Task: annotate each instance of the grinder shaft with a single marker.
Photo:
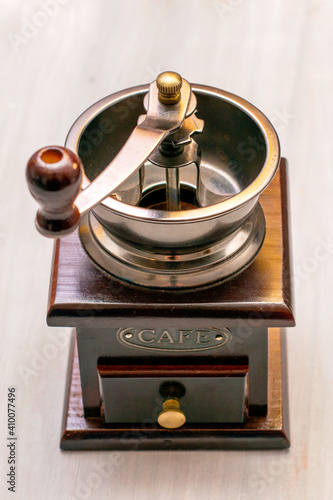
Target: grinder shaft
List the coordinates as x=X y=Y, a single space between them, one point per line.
x=172 y=189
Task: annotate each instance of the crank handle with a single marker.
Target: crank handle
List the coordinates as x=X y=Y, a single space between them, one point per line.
x=54 y=173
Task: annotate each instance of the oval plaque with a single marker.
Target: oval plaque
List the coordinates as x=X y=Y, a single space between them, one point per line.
x=172 y=339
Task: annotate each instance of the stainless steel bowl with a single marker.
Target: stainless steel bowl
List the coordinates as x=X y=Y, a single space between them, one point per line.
x=240 y=156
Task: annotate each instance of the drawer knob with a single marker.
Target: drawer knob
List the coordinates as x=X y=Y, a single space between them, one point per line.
x=171 y=417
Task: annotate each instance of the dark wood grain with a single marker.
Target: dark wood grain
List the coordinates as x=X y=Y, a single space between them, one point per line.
x=192 y=370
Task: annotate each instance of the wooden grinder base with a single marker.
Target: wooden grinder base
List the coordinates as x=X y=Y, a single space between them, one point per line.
x=83 y=295
x=270 y=431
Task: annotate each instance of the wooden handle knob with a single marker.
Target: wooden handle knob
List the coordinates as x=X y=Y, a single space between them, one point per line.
x=54 y=177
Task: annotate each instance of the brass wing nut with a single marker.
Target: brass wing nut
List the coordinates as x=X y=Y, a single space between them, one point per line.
x=169 y=84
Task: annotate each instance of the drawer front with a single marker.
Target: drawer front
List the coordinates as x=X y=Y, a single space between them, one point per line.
x=213 y=393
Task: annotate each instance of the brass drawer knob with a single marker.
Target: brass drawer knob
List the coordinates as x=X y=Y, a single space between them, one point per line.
x=171 y=417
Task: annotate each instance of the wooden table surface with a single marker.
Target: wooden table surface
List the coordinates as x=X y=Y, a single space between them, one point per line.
x=57 y=58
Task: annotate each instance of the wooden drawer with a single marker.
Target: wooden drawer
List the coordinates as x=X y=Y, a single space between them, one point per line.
x=213 y=393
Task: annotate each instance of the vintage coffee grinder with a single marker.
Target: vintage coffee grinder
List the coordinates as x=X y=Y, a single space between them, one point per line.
x=175 y=277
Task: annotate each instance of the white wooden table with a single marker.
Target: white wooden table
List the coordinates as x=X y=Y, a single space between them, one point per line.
x=57 y=58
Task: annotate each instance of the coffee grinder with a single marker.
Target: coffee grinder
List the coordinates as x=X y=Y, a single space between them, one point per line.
x=169 y=208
